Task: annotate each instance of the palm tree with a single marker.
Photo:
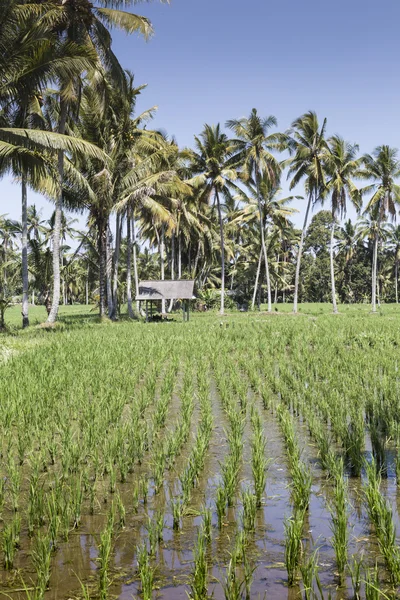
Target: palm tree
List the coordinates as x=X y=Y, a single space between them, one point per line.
x=306 y=140
x=394 y=246
x=212 y=164
x=341 y=165
x=373 y=227
x=383 y=169
x=347 y=244
x=274 y=212
x=254 y=145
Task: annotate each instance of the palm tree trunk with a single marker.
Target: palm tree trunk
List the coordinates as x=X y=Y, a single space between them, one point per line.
x=25 y=275
x=118 y=227
x=172 y=267
x=374 y=273
x=298 y=263
x=221 y=234
x=135 y=267
x=334 y=304
x=62 y=278
x=102 y=243
x=128 y=263
x=263 y=245
x=87 y=287
x=179 y=256
x=257 y=278
x=57 y=222
x=109 y=270
x=396 y=276
x=33 y=297
x=162 y=258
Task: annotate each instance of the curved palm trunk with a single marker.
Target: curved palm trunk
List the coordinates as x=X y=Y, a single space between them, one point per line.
x=221 y=233
x=25 y=276
x=257 y=278
x=297 y=277
x=128 y=264
x=374 y=274
x=334 y=304
x=57 y=224
x=396 y=277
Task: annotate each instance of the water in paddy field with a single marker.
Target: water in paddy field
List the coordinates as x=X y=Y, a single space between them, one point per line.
x=136 y=501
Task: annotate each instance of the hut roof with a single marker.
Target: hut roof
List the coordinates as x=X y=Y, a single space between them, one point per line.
x=166 y=290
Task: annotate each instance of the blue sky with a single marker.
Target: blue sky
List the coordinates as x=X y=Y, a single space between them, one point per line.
x=217 y=59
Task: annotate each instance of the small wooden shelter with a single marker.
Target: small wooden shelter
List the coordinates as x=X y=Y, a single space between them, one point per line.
x=172 y=289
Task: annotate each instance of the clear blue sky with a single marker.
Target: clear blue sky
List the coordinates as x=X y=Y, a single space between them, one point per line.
x=212 y=60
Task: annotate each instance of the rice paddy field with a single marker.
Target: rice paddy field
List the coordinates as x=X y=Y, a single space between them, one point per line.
x=249 y=456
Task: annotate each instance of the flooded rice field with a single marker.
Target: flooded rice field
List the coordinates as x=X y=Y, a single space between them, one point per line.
x=237 y=459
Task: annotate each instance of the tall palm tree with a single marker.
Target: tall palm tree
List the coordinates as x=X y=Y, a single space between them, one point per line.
x=383 y=169
x=306 y=140
x=373 y=228
x=347 y=244
x=394 y=246
x=254 y=144
x=341 y=165
x=212 y=164
x=274 y=212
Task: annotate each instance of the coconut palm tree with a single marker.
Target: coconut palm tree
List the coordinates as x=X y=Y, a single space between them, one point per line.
x=211 y=162
x=275 y=212
x=374 y=228
x=254 y=144
x=341 y=165
x=306 y=141
x=383 y=169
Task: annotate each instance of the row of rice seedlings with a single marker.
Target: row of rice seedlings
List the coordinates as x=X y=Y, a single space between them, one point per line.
x=199 y=576
x=230 y=468
x=238 y=578
x=146 y=572
x=104 y=556
x=194 y=465
x=380 y=515
x=299 y=471
x=259 y=461
x=339 y=524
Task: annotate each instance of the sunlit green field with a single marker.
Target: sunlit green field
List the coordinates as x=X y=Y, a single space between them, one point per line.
x=241 y=456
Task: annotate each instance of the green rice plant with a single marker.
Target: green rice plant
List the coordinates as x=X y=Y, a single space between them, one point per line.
x=41 y=558
x=113 y=479
x=249 y=511
x=380 y=514
x=220 y=505
x=355 y=567
x=248 y=576
x=54 y=520
x=207 y=523
x=199 y=575
x=146 y=572
x=293 y=537
x=259 y=462
x=230 y=474
x=301 y=485
x=14 y=475
x=144 y=486
x=135 y=497
x=8 y=546
x=153 y=535
x=121 y=512
x=76 y=500
x=339 y=525
x=177 y=512
x=309 y=574
x=373 y=589
x=104 y=556
x=231 y=585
